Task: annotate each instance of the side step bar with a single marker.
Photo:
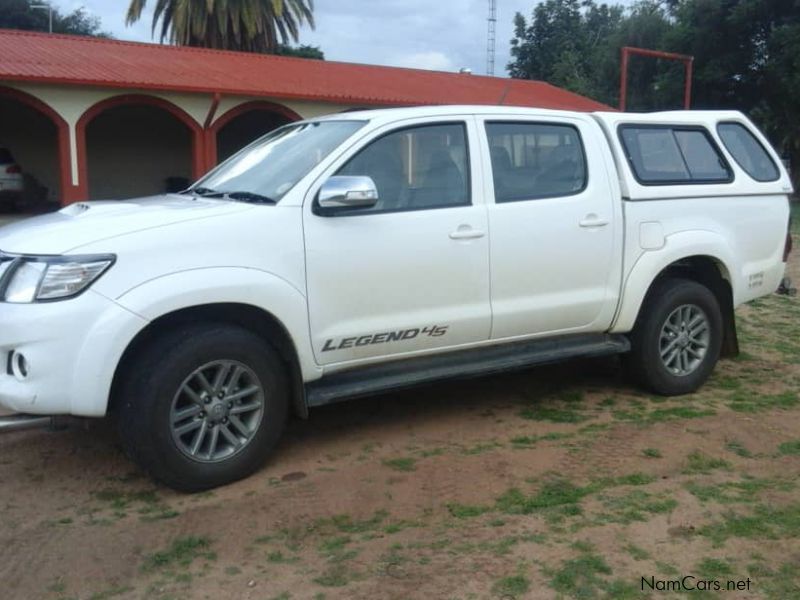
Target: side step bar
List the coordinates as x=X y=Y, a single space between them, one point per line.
x=476 y=362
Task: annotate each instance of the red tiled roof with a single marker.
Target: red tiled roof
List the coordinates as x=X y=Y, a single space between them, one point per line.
x=71 y=60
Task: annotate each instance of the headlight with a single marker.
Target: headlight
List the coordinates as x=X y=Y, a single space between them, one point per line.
x=25 y=279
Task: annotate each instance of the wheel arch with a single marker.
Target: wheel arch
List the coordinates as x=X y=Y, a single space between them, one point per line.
x=252 y=318
x=706 y=269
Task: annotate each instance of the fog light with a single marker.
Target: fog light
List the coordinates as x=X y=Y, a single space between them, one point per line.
x=19 y=366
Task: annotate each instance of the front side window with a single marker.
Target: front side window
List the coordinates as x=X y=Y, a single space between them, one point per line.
x=273 y=164
x=663 y=155
x=416 y=168
x=535 y=160
x=748 y=152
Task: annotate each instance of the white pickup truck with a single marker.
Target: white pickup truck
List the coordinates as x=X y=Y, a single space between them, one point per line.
x=370 y=251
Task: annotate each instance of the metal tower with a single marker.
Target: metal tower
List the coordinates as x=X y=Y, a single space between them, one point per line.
x=492 y=37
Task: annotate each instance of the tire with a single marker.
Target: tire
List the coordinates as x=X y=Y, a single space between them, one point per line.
x=659 y=329
x=165 y=406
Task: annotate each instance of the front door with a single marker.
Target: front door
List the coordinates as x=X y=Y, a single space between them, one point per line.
x=410 y=274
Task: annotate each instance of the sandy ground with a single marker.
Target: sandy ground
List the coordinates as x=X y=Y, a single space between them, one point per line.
x=553 y=482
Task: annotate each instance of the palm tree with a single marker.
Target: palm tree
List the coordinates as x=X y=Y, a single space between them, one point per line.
x=246 y=25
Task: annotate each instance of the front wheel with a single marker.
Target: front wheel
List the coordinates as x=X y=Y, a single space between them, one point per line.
x=677 y=339
x=203 y=406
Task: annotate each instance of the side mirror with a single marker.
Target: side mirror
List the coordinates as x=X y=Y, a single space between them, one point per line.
x=343 y=191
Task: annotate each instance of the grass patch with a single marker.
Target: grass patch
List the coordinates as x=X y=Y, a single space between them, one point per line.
x=749 y=402
x=405 y=463
x=511 y=587
x=528 y=441
x=636 y=552
x=581 y=577
x=465 y=511
x=698 y=462
x=634 y=506
x=337 y=575
x=552 y=494
x=111 y=592
x=278 y=557
x=346 y=524
x=180 y=553
x=738 y=449
x=679 y=412
x=552 y=414
x=481 y=448
x=791 y=448
x=714 y=568
x=735 y=492
x=766 y=522
x=652 y=453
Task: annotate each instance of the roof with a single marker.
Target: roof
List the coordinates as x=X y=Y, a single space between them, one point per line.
x=82 y=61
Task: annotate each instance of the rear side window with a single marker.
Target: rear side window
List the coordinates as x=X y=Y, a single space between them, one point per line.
x=535 y=160
x=663 y=155
x=5 y=156
x=748 y=152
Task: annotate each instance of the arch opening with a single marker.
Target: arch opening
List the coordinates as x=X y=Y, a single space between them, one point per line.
x=245 y=124
x=34 y=165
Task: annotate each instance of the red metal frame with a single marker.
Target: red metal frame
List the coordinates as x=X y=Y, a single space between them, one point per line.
x=627 y=51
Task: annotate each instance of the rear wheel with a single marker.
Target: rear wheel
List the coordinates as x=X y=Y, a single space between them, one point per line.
x=677 y=339
x=203 y=406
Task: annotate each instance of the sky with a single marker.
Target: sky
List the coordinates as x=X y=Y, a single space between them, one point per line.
x=427 y=34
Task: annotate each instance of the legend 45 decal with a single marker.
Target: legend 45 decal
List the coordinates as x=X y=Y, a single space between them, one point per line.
x=384 y=337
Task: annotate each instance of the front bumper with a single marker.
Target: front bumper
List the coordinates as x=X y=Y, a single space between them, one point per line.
x=71 y=350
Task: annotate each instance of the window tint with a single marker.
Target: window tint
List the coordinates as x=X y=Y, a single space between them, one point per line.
x=534 y=160
x=748 y=152
x=667 y=155
x=416 y=168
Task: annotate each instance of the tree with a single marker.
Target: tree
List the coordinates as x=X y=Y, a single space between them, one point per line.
x=746 y=56
x=18 y=14
x=303 y=51
x=245 y=25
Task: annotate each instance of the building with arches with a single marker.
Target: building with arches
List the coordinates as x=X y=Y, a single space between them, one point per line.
x=97 y=119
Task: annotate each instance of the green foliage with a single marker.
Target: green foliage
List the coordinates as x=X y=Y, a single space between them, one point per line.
x=746 y=56
x=181 y=553
x=243 y=25
x=401 y=464
x=302 y=51
x=511 y=587
x=18 y=14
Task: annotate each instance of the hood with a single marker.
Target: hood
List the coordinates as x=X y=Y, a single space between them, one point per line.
x=87 y=222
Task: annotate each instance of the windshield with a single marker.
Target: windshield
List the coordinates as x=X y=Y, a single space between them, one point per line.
x=272 y=165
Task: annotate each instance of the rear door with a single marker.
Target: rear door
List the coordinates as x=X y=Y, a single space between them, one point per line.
x=555 y=224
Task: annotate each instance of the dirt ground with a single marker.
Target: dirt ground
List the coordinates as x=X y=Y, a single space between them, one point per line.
x=553 y=482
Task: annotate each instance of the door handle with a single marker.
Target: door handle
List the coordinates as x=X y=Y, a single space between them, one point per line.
x=592 y=220
x=465 y=232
